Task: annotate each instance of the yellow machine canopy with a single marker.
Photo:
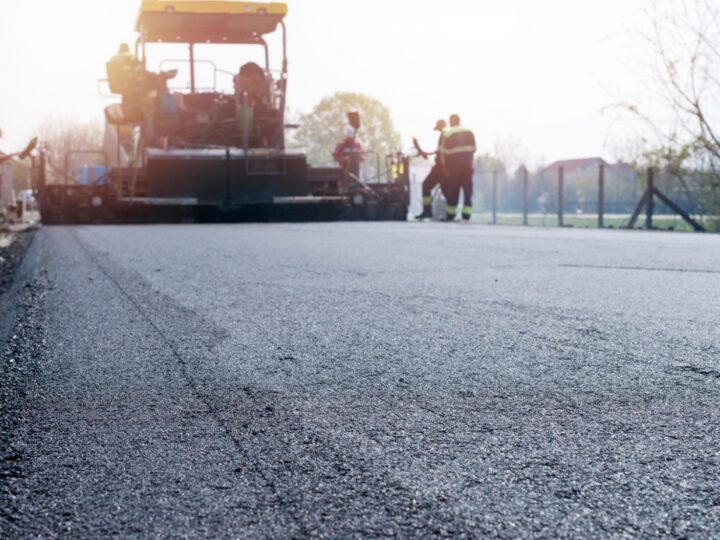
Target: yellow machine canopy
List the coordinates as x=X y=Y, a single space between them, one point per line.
x=208 y=21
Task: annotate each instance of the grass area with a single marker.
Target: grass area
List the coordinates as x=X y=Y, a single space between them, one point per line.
x=585 y=221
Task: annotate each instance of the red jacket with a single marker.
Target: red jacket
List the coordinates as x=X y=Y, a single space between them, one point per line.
x=347 y=149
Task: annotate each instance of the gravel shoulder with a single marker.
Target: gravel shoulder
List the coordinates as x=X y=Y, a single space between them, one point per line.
x=20 y=335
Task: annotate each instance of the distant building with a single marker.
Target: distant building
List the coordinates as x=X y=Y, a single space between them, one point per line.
x=574 y=167
x=622 y=185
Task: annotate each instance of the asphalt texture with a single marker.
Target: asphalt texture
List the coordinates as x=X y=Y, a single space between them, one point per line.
x=363 y=380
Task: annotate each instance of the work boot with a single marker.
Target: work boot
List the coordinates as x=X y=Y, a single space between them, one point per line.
x=467 y=214
x=449 y=218
x=426 y=214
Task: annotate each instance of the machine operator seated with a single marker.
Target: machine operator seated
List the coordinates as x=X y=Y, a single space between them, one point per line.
x=252 y=80
x=138 y=86
x=253 y=92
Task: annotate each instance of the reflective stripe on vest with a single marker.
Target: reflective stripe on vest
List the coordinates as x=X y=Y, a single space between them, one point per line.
x=469 y=149
x=449 y=132
x=458 y=140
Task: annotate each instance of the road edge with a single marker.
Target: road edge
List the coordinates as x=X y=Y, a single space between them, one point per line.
x=21 y=338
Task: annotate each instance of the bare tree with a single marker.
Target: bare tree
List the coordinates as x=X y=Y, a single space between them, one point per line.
x=60 y=137
x=684 y=38
x=512 y=152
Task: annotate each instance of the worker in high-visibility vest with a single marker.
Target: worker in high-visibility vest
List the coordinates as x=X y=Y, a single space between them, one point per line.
x=125 y=72
x=437 y=174
x=142 y=90
x=127 y=77
x=458 y=156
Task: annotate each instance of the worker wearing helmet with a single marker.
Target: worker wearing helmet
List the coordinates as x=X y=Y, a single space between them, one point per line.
x=437 y=173
x=124 y=72
x=350 y=154
x=142 y=91
x=458 y=155
x=126 y=76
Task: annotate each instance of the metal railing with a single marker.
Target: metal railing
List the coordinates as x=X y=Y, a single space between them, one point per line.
x=562 y=201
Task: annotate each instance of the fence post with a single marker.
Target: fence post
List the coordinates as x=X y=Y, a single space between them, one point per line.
x=494 y=197
x=601 y=197
x=526 y=195
x=561 y=197
x=650 y=201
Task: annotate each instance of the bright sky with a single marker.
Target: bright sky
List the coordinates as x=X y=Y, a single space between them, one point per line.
x=540 y=72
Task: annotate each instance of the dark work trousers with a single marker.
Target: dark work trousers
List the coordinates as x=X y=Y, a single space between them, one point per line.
x=433 y=180
x=461 y=179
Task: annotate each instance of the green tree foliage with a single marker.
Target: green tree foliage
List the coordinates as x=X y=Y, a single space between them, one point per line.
x=688 y=179
x=322 y=129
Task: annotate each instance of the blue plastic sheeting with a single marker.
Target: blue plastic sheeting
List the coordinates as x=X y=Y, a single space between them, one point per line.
x=92 y=175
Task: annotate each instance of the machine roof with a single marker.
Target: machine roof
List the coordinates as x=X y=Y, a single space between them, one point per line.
x=208 y=21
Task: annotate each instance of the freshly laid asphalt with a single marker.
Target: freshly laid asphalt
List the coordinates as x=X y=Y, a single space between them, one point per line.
x=363 y=380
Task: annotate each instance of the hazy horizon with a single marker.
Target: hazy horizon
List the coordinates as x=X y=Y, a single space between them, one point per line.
x=541 y=76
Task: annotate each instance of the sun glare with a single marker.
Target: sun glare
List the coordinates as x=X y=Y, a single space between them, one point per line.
x=508 y=67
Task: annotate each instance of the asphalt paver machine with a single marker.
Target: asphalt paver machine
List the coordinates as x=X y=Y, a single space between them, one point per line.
x=209 y=154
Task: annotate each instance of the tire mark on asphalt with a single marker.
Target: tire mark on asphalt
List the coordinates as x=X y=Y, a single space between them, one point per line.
x=199 y=395
x=640 y=268
x=705 y=372
x=336 y=460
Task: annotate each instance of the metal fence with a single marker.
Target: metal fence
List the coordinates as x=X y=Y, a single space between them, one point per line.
x=596 y=198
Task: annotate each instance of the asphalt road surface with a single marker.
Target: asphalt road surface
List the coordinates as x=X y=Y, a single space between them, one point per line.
x=340 y=380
